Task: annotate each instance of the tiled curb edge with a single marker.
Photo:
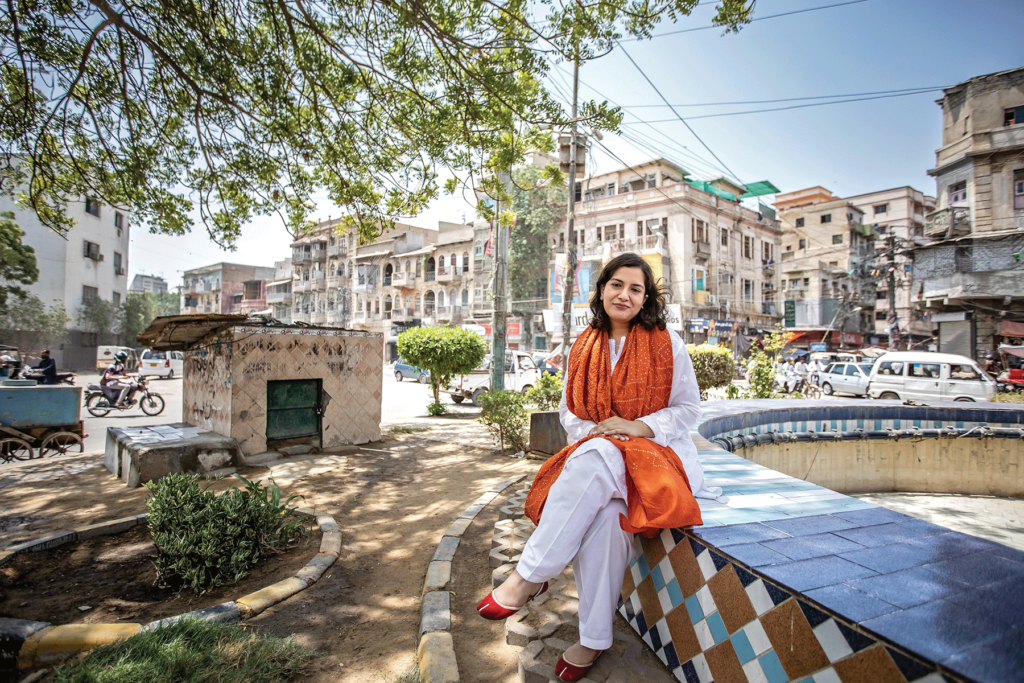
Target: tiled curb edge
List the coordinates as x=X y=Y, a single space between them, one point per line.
x=26 y=644
x=435 y=656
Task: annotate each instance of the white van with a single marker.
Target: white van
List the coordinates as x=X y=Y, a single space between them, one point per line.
x=105 y=356
x=520 y=375
x=922 y=376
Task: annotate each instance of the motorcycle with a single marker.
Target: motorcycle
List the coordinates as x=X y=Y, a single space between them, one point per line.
x=99 y=403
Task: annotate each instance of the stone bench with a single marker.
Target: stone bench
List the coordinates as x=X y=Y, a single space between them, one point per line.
x=141 y=454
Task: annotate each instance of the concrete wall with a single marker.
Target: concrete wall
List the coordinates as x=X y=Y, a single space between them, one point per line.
x=206 y=392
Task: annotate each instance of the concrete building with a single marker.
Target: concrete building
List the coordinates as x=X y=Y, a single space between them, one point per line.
x=898 y=215
x=90 y=262
x=827 y=265
x=279 y=291
x=148 y=283
x=716 y=256
x=967 y=279
x=225 y=288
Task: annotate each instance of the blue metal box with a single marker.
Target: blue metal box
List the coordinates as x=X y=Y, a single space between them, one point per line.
x=40 y=406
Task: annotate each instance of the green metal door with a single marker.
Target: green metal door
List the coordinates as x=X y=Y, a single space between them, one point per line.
x=293 y=408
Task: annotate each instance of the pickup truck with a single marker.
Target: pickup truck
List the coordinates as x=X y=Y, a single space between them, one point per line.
x=520 y=375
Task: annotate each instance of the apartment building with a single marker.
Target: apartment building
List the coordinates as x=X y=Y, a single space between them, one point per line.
x=827 y=264
x=148 y=283
x=898 y=216
x=279 y=291
x=225 y=288
x=968 y=277
x=715 y=256
x=90 y=262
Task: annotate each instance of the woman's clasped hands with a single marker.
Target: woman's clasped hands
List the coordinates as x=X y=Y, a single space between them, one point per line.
x=621 y=429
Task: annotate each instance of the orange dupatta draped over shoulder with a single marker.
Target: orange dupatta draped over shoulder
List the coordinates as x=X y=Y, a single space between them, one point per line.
x=659 y=495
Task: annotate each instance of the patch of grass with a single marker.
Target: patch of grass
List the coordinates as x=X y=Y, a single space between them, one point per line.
x=1015 y=397
x=192 y=651
x=408 y=429
x=411 y=676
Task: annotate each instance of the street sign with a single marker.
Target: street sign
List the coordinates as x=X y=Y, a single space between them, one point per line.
x=790 y=313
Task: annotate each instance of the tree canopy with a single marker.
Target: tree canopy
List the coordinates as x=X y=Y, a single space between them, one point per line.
x=17 y=261
x=445 y=351
x=242 y=108
x=32 y=326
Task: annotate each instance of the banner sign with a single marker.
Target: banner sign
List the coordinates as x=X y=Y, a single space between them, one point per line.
x=716 y=328
x=790 y=315
x=819 y=346
x=553 y=320
x=674 y=317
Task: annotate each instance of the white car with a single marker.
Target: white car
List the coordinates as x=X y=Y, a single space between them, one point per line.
x=167 y=364
x=924 y=376
x=520 y=375
x=845 y=378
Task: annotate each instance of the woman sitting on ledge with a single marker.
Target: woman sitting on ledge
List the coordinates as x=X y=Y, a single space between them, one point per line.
x=630 y=401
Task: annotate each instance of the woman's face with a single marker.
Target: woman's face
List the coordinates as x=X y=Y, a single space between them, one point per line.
x=624 y=294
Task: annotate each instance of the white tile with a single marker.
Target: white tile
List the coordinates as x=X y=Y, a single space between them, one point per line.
x=667 y=572
x=662 y=657
x=635 y=571
x=829 y=675
x=758 y=638
x=759 y=597
x=704 y=637
x=666 y=635
x=647 y=639
x=667 y=540
x=665 y=600
x=832 y=641
x=707 y=603
x=753 y=671
x=701 y=665
x=707 y=565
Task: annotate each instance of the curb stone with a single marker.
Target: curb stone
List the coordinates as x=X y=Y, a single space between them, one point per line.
x=435 y=655
x=26 y=644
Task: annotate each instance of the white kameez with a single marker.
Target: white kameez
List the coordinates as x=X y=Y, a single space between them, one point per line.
x=581 y=515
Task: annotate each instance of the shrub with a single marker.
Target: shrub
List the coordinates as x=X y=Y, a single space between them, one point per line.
x=713 y=365
x=504 y=413
x=546 y=394
x=445 y=351
x=1014 y=397
x=192 y=651
x=437 y=408
x=205 y=540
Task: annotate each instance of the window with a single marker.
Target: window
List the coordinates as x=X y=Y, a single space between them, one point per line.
x=799 y=222
x=119 y=222
x=826 y=218
x=958 y=194
x=92 y=250
x=748 y=291
x=1018 y=188
x=837 y=239
x=92 y=207
x=251 y=290
x=652 y=180
x=610 y=189
x=725 y=237
x=852 y=370
x=117 y=298
x=926 y=370
x=891 y=368
x=89 y=293
x=964 y=371
x=880 y=315
x=465 y=262
x=881 y=229
x=698 y=230
x=465 y=297
x=748 y=247
x=1013 y=116
x=117 y=264
x=881 y=208
x=803 y=244
x=881 y=294
x=479 y=250
x=807 y=283
x=767 y=252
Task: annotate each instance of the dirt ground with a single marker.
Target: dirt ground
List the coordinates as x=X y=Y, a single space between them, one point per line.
x=115 y=577
x=393 y=501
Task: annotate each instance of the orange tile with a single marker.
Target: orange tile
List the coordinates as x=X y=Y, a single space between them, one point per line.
x=733 y=602
x=628 y=586
x=793 y=640
x=724 y=664
x=873 y=664
x=654 y=549
x=686 y=569
x=649 y=601
x=684 y=637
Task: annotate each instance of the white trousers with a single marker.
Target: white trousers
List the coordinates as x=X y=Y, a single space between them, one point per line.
x=581 y=521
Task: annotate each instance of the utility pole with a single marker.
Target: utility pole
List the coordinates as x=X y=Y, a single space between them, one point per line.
x=499 y=316
x=892 y=320
x=570 y=228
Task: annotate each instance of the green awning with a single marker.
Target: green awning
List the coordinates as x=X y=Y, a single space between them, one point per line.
x=711 y=189
x=762 y=187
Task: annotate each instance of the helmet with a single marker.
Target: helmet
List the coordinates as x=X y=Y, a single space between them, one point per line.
x=121 y=356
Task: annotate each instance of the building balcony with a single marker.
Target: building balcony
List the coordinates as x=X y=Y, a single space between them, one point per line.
x=429 y=276
x=449 y=273
x=317 y=284
x=333 y=281
x=950 y=221
x=429 y=311
x=483 y=308
x=401 y=315
x=768 y=267
x=443 y=312
x=318 y=318
x=364 y=287
x=1010 y=138
x=360 y=317
x=400 y=280
x=650 y=244
x=337 y=250
x=279 y=297
x=300 y=317
x=702 y=249
x=702 y=297
x=768 y=308
x=302 y=285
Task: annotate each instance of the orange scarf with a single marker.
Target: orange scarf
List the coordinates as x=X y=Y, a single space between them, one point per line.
x=659 y=495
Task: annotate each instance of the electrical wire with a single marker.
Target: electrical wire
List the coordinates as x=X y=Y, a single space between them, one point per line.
x=792 y=99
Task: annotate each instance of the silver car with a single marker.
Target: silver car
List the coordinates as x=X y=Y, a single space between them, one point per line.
x=845 y=378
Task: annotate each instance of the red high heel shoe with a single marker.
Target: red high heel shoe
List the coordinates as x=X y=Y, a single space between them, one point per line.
x=567 y=671
x=489 y=608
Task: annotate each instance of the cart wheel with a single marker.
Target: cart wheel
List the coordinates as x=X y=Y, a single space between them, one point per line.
x=61 y=443
x=15 y=449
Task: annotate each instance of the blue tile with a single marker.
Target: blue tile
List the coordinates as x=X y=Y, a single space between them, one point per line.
x=655 y=636
x=875 y=515
x=675 y=595
x=937 y=630
x=815 y=524
x=806 y=547
x=659 y=582
x=696 y=547
x=955 y=544
x=815 y=617
x=1007 y=552
x=855 y=639
x=777 y=595
x=741 y=644
x=671 y=658
x=978 y=569
x=892 y=558
x=850 y=603
x=772 y=667
x=630 y=613
x=998 y=660
x=909 y=587
x=693 y=607
x=738 y=533
x=820 y=571
x=887 y=534
x=746 y=578
x=641 y=623
x=717 y=626
x=755 y=555
x=910 y=668
x=644 y=569
x=690 y=672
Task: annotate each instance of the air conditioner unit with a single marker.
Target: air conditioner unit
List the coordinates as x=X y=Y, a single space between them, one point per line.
x=538 y=318
x=710 y=299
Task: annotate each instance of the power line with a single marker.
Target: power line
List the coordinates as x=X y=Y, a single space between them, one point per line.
x=770 y=16
x=795 y=99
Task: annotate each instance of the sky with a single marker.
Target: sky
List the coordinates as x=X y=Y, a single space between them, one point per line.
x=866 y=46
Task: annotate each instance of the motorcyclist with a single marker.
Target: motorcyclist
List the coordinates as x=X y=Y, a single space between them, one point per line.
x=115 y=379
x=992 y=366
x=47 y=369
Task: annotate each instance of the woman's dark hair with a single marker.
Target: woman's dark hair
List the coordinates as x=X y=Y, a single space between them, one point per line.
x=651 y=315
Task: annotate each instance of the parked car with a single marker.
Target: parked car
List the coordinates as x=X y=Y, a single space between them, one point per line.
x=169 y=364
x=105 y=356
x=521 y=374
x=845 y=378
x=924 y=376
x=404 y=370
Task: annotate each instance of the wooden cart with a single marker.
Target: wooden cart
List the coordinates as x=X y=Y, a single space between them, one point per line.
x=40 y=421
